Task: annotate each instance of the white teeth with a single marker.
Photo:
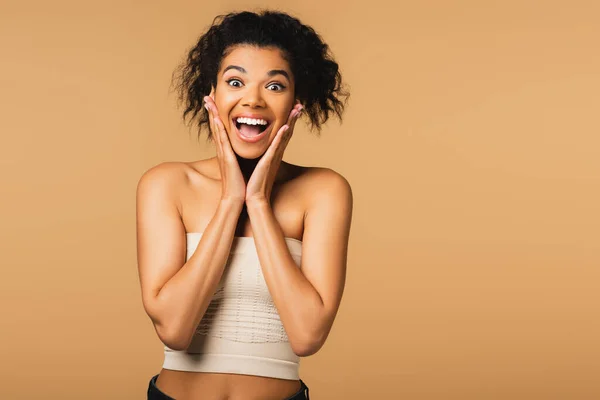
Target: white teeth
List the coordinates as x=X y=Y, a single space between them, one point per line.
x=251 y=121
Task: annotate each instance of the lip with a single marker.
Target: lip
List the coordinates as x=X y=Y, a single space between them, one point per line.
x=252 y=139
x=250 y=115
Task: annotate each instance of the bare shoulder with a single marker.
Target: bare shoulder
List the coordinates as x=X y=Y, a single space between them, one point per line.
x=168 y=170
x=175 y=176
x=168 y=177
x=322 y=182
x=176 y=171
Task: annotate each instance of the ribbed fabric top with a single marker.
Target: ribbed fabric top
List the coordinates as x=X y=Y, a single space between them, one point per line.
x=240 y=332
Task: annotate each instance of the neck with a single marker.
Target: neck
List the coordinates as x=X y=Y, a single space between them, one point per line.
x=247 y=167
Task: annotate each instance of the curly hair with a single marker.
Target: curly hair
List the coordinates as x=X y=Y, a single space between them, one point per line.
x=318 y=81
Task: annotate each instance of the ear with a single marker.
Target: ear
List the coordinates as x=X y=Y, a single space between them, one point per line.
x=212 y=93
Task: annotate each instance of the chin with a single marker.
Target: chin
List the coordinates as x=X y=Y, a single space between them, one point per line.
x=249 y=151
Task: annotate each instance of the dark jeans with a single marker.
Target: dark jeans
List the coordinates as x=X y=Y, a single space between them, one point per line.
x=155 y=394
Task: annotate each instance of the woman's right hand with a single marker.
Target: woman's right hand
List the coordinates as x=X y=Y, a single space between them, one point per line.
x=233 y=186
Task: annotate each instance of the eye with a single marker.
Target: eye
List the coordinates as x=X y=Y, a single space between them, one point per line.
x=233 y=80
x=277 y=84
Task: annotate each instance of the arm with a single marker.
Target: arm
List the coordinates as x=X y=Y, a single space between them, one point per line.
x=176 y=293
x=308 y=298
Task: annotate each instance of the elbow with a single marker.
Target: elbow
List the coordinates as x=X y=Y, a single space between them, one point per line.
x=307 y=346
x=306 y=349
x=177 y=344
x=174 y=339
x=169 y=330
x=308 y=341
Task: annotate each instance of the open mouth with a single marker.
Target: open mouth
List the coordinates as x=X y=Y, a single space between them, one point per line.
x=251 y=130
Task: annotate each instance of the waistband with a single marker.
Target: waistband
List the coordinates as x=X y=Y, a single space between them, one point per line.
x=212 y=354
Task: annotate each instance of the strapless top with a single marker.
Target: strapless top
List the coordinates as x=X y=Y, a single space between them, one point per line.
x=241 y=332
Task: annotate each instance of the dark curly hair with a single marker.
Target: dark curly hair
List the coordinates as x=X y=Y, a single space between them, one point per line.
x=318 y=81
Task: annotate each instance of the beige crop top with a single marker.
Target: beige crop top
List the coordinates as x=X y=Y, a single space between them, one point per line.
x=241 y=332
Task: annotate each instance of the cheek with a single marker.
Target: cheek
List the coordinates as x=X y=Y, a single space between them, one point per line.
x=284 y=114
x=224 y=101
x=224 y=109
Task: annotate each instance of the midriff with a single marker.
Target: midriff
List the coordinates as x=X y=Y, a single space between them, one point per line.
x=184 y=385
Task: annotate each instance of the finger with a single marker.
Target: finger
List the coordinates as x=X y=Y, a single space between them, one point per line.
x=214 y=129
x=220 y=133
x=285 y=139
x=276 y=145
x=215 y=112
x=219 y=130
x=298 y=108
x=224 y=138
x=211 y=106
x=211 y=101
x=209 y=109
x=285 y=132
x=294 y=115
x=217 y=139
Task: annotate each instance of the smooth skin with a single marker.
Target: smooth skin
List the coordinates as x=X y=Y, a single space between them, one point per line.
x=246 y=190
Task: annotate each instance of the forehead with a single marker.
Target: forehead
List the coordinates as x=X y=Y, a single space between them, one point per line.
x=255 y=60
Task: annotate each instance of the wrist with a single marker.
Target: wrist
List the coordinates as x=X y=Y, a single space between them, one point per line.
x=257 y=202
x=232 y=203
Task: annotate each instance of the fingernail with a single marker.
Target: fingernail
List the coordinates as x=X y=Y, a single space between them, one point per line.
x=300 y=108
x=206 y=106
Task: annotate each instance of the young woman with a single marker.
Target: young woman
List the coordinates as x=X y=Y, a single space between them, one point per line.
x=242 y=257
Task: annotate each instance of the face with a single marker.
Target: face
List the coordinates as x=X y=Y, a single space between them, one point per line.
x=253 y=83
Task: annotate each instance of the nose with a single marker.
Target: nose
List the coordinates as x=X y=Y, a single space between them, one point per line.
x=253 y=97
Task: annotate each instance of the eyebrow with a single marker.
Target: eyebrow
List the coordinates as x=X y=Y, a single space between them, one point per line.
x=271 y=73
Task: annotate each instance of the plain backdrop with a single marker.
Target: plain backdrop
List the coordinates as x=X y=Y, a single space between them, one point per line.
x=471 y=142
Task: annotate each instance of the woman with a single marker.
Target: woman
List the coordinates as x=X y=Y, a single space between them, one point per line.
x=242 y=257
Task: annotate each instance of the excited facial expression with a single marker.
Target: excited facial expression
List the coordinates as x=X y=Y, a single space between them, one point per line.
x=254 y=96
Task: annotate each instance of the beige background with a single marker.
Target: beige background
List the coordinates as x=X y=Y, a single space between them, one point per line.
x=471 y=143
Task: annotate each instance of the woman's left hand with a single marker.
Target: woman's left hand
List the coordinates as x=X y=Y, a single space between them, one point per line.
x=260 y=184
